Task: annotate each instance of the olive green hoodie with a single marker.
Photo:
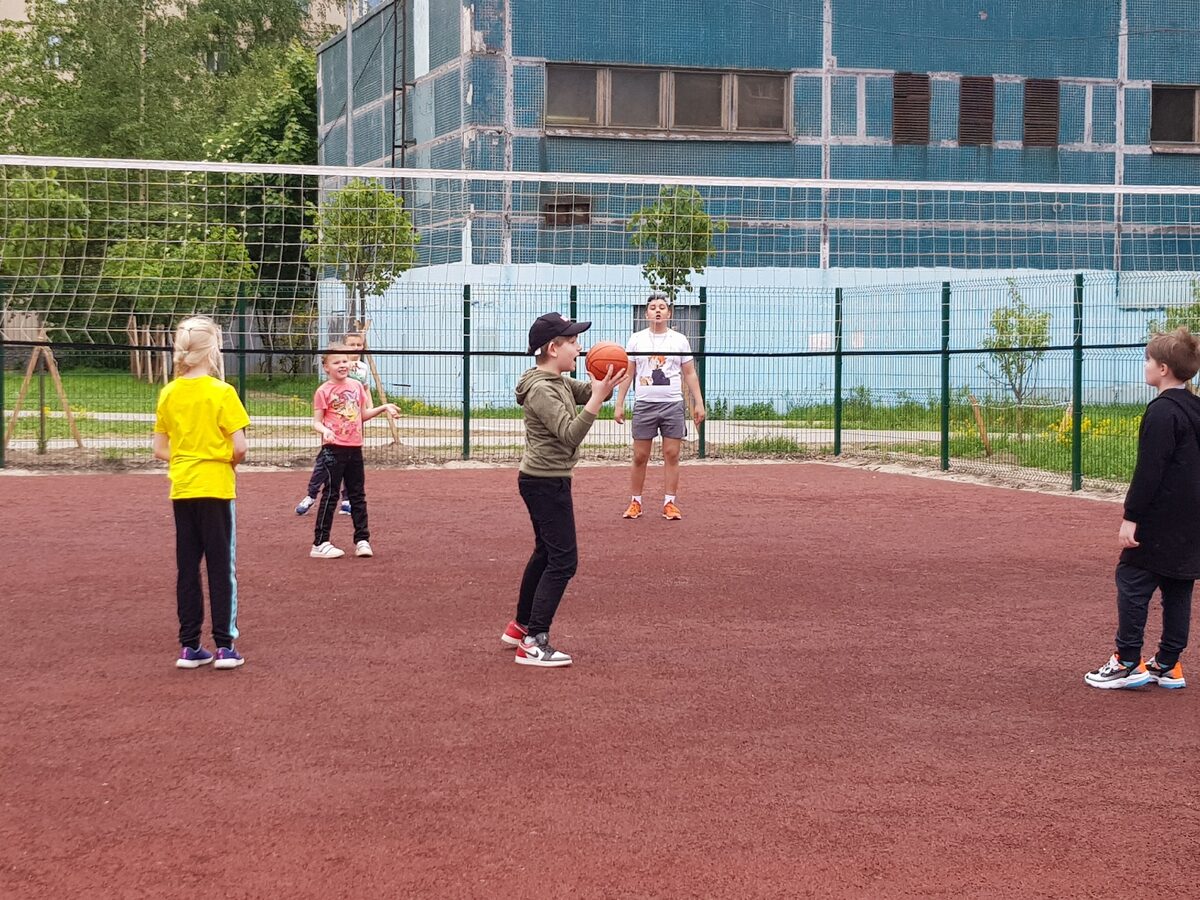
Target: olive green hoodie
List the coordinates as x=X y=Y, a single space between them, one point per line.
x=554 y=424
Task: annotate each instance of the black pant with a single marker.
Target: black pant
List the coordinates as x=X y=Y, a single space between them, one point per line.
x=319 y=476
x=555 y=555
x=341 y=464
x=206 y=528
x=1135 y=587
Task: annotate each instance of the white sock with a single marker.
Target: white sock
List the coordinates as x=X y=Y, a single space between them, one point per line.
x=670 y=498
x=637 y=498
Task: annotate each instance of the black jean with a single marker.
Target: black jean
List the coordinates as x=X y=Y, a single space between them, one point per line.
x=555 y=553
x=205 y=528
x=341 y=464
x=1135 y=587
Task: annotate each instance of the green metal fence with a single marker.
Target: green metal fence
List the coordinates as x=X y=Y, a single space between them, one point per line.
x=904 y=373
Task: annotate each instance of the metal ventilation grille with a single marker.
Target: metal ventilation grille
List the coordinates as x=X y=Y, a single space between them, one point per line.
x=910 y=108
x=1041 y=112
x=976 y=110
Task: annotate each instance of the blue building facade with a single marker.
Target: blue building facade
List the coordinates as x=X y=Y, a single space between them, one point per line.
x=1037 y=92
x=556 y=86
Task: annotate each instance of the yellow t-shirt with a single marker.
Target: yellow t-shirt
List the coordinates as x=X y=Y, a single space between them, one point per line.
x=199 y=417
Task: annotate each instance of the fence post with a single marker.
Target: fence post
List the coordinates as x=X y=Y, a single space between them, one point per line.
x=3 y=365
x=945 y=375
x=701 y=368
x=241 y=343
x=1077 y=388
x=837 y=372
x=573 y=315
x=466 y=376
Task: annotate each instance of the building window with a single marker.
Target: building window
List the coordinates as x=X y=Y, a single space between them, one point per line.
x=699 y=100
x=572 y=96
x=665 y=101
x=976 y=110
x=1041 y=112
x=761 y=103
x=910 y=108
x=565 y=210
x=1174 y=115
x=636 y=98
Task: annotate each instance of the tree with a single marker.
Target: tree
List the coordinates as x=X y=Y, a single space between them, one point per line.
x=679 y=234
x=42 y=226
x=364 y=233
x=1018 y=331
x=273 y=120
x=163 y=277
x=1187 y=315
x=141 y=79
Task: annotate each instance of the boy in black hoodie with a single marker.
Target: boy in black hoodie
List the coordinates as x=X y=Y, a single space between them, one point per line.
x=1160 y=532
x=554 y=429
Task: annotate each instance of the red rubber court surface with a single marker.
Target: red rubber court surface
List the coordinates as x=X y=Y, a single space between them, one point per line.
x=823 y=682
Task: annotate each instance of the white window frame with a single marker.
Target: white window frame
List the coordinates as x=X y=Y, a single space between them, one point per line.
x=666 y=107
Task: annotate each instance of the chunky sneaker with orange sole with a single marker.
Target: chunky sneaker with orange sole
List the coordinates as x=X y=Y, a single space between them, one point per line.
x=535 y=650
x=513 y=633
x=671 y=511
x=1170 y=678
x=634 y=511
x=1115 y=674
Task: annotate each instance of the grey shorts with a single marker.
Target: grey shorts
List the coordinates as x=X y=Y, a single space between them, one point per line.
x=651 y=419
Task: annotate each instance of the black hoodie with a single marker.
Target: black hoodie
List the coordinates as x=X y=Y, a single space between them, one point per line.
x=1164 y=495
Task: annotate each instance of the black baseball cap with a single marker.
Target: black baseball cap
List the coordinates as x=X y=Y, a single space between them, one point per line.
x=546 y=328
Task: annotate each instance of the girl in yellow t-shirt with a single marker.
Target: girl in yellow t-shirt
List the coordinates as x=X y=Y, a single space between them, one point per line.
x=199 y=429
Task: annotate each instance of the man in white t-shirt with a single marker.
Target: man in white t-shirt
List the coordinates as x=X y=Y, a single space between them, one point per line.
x=660 y=362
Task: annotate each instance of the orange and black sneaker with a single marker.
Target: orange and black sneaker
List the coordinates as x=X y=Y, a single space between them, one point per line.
x=634 y=511
x=1170 y=677
x=1118 y=674
x=671 y=511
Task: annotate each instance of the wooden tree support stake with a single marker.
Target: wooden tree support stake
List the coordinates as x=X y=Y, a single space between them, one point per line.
x=42 y=353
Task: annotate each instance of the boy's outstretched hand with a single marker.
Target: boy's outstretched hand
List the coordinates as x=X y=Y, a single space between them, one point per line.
x=603 y=387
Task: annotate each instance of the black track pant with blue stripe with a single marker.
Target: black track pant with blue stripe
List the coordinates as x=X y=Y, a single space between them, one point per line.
x=205 y=528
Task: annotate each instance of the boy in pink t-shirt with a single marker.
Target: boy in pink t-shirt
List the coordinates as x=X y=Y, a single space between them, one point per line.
x=340 y=406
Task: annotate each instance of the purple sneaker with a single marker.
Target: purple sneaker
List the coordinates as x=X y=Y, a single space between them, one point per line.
x=228 y=658
x=193 y=659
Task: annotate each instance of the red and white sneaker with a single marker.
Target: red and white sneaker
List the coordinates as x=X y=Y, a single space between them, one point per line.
x=513 y=633
x=535 y=650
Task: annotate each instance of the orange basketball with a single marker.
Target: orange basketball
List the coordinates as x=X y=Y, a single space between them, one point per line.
x=603 y=354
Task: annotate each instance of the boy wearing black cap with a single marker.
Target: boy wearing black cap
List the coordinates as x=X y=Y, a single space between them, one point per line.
x=554 y=429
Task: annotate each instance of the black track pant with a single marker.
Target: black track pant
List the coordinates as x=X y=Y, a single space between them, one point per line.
x=341 y=464
x=319 y=476
x=205 y=529
x=555 y=554
x=1135 y=587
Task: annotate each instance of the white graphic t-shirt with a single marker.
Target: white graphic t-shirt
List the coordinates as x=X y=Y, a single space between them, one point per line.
x=658 y=378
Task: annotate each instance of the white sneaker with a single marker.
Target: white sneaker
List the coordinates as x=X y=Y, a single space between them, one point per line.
x=325 y=551
x=535 y=650
x=305 y=505
x=362 y=548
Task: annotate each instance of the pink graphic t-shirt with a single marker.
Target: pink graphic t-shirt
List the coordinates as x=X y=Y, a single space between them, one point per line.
x=341 y=407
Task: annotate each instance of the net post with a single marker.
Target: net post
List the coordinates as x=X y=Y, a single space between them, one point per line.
x=466 y=372
x=573 y=315
x=701 y=338
x=945 y=376
x=837 y=372
x=1077 y=387
x=241 y=343
x=3 y=365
